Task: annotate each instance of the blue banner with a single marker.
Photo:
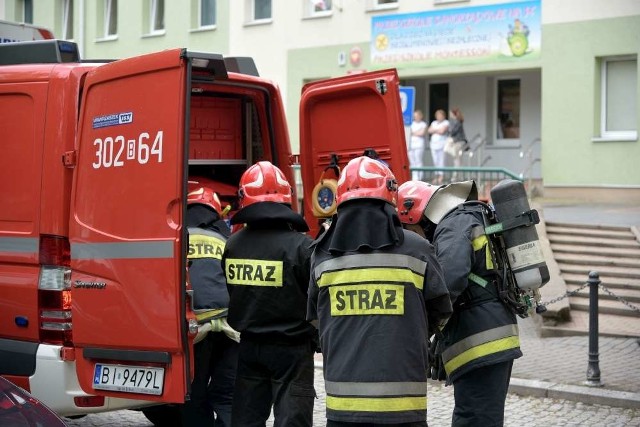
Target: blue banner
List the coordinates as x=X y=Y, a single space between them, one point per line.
x=496 y=33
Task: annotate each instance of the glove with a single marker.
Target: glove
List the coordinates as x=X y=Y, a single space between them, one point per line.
x=221 y=325
x=436 y=368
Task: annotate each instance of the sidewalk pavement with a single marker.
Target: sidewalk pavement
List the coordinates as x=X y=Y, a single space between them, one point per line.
x=576 y=212
x=557 y=367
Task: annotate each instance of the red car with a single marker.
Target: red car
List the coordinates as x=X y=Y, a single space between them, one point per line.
x=19 y=409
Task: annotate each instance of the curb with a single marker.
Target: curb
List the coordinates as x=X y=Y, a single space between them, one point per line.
x=576 y=393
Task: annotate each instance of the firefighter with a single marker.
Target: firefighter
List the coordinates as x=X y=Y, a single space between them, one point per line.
x=480 y=341
x=375 y=292
x=216 y=352
x=267 y=269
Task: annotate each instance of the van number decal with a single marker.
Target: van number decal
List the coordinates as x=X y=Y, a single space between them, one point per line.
x=113 y=152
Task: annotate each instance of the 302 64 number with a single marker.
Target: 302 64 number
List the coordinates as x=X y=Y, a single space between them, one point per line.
x=114 y=152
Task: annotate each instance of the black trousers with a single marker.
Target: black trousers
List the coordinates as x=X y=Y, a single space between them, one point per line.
x=215 y=364
x=278 y=375
x=480 y=396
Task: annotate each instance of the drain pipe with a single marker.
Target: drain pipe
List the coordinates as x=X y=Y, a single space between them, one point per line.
x=81 y=30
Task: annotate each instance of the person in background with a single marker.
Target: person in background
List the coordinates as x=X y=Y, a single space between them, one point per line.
x=417 y=143
x=267 y=269
x=216 y=350
x=377 y=293
x=438 y=129
x=457 y=139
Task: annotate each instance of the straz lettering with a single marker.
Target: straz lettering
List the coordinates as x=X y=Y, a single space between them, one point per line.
x=205 y=247
x=252 y=272
x=364 y=300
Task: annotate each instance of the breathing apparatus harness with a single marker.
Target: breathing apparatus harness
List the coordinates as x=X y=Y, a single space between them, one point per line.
x=519 y=301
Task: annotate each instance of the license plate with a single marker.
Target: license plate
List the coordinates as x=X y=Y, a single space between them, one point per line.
x=129 y=379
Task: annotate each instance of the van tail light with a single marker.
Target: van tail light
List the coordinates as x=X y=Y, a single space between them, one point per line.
x=54 y=290
x=88 y=401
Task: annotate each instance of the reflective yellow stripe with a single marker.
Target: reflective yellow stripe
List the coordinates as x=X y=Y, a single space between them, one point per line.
x=253 y=272
x=360 y=275
x=205 y=247
x=481 y=351
x=359 y=300
x=377 y=404
x=483 y=242
x=376 y=260
x=203 y=316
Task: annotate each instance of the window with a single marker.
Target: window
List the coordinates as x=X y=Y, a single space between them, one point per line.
x=619 y=102
x=67 y=20
x=373 y=5
x=27 y=11
x=110 y=18
x=157 y=15
x=320 y=6
x=508 y=95
x=207 y=13
x=261 y=10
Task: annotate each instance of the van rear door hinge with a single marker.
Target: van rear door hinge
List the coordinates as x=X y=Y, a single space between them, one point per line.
x=69 y=159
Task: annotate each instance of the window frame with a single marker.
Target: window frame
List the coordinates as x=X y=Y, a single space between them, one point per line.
x=108 y=5
x=376 y=6
x=67 y=5
x=27 y=6
x=505 y=142
x=208 y=26
x=310 y=11
x=152 y=18
x=605 y=134
x=251 y=17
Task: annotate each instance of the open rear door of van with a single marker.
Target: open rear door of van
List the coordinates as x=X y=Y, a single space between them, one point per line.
x=340 y=119
x=130 y=313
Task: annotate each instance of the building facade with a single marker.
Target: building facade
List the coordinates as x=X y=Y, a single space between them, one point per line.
x=548 y=88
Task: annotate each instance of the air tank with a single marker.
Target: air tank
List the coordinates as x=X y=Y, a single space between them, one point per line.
x=522 y=243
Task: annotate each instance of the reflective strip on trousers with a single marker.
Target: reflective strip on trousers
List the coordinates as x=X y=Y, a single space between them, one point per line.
x=396 y=261
x=375 y=389
x=480 y=345
x=377 y=275
x=376 y=404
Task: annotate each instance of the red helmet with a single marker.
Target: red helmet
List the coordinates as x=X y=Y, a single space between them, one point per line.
x=264 y=182
x=413 y=197
x=205 y=196
x=364 y=177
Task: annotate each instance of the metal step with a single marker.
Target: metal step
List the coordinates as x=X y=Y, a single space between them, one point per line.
x=586 y=232
x=631 y=295
x=586 y=226
x=583 y=270
x=596 y=250
x=608 y=281
x=592 y=241
x=595 y=262
x=610 y=325
x=604 y=307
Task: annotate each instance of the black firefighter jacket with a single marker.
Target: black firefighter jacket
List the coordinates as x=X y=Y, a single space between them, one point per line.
x=267 y=270
x=482 y=330
x=373 y=307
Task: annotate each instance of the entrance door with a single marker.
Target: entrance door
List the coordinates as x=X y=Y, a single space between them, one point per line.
x=438 y=100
